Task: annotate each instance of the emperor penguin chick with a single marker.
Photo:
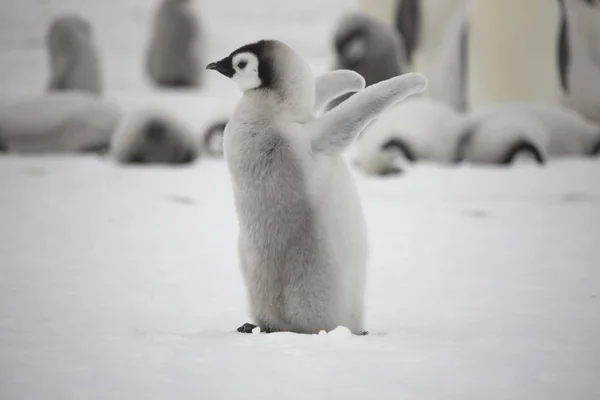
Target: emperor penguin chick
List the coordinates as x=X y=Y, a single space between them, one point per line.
x=73 y=56
x=302 y=236
x=173 y=58
x=419 y=129
x=366 y=45
x=153 y=137
x=59 y=122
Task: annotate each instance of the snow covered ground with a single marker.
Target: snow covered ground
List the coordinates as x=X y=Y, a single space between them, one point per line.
x=122 y=283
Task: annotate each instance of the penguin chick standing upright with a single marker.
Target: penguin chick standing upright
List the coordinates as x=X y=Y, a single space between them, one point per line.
x=366 y=45
x=173 y=55
x=302 y=237
x=74 y=59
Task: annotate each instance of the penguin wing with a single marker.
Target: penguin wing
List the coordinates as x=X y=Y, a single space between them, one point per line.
x=333 y=84
x=336 y=130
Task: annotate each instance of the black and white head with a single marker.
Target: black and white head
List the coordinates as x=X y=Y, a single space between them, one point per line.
x=270 y=66
x=152 y=137
x=366 y=45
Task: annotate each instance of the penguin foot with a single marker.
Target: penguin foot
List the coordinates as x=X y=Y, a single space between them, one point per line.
x=248 y=327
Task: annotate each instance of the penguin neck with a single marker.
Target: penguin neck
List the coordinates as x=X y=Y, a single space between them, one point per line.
x=292 y=105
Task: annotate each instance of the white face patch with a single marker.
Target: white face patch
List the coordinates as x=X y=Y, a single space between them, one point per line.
x=245 y=66
x=355 y=50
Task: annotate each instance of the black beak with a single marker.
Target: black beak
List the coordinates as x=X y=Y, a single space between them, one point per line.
x=223 y=66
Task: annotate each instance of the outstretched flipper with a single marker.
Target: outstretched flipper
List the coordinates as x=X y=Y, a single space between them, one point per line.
x=336 y=130
x=334 y=84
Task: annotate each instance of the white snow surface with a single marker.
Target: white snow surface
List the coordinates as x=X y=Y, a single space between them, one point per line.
x=122 y=282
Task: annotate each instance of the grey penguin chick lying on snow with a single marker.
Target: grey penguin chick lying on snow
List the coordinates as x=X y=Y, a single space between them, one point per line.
x=153 y=137
x=302 y=238
x=59 y=122
x=73 y=56
x=544 y=130
x=419 y=129
x=173 y=58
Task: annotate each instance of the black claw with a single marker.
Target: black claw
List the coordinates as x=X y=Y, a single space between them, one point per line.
x=246 y=328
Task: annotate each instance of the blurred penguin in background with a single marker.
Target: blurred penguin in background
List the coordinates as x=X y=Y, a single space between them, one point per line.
x=448 y=74
x=500 y=131
x=212 y=138
x=73 y=56
x=153 y=137
x=579 y=56
x=500 y=140
x=173 y=58
x=368 y=46
x=420 y=129
x=59 y=122
x=422 y=25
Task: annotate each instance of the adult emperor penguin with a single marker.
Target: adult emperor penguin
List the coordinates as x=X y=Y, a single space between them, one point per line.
x=173 y=58
x=302 y=238
x=422 y=25
x=516 y=64
x=153 y=136
x=73 y=56
x=579 y=56
x=419 y=129
x=59 y=122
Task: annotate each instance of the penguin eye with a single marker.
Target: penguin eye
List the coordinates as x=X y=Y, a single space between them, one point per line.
x=242 y=64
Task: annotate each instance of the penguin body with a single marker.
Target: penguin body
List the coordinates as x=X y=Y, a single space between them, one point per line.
x=302 y=241
x=422 y=25
x=419 y=129
x=500 y=140
x=555 y=130
x=73 y=57
x=366 y=45
x=153 y=137
x=59 y=122
x=579 y=57
x=173 y=58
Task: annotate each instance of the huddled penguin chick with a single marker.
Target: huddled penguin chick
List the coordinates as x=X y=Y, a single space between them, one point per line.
x=501 y=140
x=59 y=122
x=153 y=137
x=173 y=58
x=302 y=240
x=419 y=129
x=368 y=46
x=212 y=139
x=557 y=131
x=328 y=86
x=73 y=56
